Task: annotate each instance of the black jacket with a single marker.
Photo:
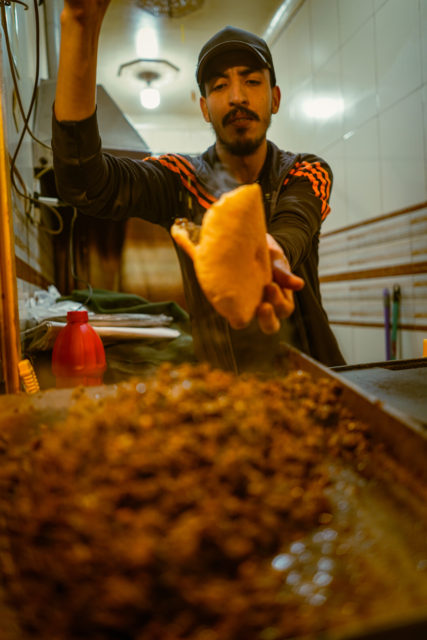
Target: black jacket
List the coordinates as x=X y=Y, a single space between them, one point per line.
x=296 y=189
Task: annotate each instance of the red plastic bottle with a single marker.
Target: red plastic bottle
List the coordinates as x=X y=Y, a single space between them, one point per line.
x=78 y=356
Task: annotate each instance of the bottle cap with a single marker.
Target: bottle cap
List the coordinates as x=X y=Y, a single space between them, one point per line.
x=77 y=316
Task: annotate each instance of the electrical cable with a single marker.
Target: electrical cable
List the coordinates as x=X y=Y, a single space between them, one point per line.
x=26 y=129
x=41 y=173
x=53 y=232
x=35 y=87
x=37 y=202
x=21 y=180
x=7 y=3
x=13 y=72
x=14 y=172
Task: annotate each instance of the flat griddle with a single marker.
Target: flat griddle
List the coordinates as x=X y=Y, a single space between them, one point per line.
x=391 y=508
x=398 y=383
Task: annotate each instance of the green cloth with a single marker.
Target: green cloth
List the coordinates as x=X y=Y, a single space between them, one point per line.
x=143 y=356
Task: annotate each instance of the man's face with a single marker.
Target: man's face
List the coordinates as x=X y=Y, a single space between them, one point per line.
x=239 y=102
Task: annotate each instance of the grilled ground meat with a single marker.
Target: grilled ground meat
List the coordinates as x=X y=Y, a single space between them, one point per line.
x=186 y=506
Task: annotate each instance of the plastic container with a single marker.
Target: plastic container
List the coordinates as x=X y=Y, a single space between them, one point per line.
x=28 y=377
x=78 y=356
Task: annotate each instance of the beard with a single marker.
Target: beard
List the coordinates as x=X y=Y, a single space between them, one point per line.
x=240 y=145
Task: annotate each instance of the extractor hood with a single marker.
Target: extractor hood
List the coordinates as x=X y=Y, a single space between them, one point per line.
x=118 y=136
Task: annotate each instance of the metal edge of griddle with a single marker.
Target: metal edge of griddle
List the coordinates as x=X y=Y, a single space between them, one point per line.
x=405 y=437
x=409 y=363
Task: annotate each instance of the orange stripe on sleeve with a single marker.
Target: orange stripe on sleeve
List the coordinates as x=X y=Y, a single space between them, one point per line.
x=325 y=187
x=186 y=181
x=185 y=170
x=189 y=169
x=319 y=179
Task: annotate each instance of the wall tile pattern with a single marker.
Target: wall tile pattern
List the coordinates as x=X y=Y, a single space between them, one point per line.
x=371 y=55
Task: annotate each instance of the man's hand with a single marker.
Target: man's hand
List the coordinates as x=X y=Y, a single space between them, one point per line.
x=278 y=299
x=81 y=22
x=86 y=9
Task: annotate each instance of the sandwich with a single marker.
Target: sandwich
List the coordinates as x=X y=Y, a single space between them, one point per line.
x=230 y=253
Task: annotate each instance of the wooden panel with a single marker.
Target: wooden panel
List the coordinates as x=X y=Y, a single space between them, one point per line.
x=150 y=267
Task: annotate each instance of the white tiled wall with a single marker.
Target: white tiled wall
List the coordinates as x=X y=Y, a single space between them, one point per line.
x=352 y=15
x=362 y=174
x=402 y=153
x=166 y=134
x=388 y=252
x=371 y=54
x=358 y=76
x=423 y=31
x=398 y=50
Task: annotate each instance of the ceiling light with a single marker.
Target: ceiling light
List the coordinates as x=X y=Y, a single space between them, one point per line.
x=161 y=71
x=171 y=8
x=323 y=108
x=153 y=73
x=150 y=98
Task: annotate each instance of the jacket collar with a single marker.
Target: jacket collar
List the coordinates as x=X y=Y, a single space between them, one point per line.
x=212 y=175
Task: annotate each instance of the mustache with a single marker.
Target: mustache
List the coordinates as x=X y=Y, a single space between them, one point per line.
x=238 y=111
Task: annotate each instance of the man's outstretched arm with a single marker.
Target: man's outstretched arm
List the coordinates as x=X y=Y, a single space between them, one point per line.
x=81 y=22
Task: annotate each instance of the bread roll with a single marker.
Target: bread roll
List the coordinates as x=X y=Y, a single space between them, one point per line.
x=231 y=257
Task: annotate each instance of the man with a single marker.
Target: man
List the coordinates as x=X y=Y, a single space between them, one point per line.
x=236 y=76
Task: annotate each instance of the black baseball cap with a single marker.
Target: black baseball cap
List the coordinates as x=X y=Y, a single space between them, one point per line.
x=234 y=39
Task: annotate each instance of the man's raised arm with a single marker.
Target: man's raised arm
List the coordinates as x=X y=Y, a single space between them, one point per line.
x=81 y=22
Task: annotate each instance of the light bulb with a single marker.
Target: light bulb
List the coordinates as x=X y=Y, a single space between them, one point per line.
x=150 y=98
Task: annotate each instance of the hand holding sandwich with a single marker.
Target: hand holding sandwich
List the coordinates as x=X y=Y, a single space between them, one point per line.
x=240 y=267
x=278 y=298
